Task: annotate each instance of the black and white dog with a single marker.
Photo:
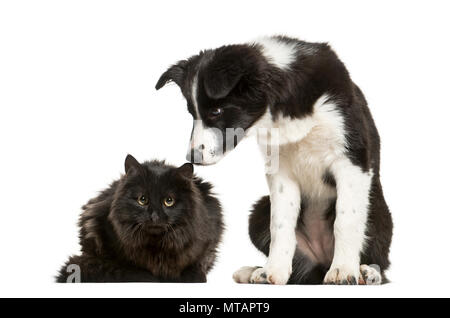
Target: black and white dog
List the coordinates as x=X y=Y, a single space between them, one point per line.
x=326 y=219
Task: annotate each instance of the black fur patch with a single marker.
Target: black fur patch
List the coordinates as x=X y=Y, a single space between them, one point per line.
x=328 y=178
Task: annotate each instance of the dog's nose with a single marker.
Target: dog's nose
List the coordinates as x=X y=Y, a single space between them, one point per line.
x=194 y=156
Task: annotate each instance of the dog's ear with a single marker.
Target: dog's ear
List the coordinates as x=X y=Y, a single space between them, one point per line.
x=220 y=82
x=175 y=74
x=221 y=76
x=231 y=66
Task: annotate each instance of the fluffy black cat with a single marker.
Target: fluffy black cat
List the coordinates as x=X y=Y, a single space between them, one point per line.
x=157 y=223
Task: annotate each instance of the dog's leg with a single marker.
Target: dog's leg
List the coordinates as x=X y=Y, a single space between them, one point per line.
x=284 y=209
x=353 y=189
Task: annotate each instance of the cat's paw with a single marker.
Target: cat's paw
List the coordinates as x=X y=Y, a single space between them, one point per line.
x=342 y=275
x=270 y=275
x=370 y=275
x=244 y=274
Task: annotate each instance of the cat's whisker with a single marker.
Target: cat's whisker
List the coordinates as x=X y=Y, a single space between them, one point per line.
x=169 y=226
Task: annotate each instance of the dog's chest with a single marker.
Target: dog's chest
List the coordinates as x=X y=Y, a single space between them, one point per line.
x=309 y=160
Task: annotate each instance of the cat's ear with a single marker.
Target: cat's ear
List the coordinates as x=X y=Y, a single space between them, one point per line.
x=131 y=163
x=186 y=170
x=175 y=74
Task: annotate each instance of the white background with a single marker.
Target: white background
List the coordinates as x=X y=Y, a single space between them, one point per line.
x=77 y=94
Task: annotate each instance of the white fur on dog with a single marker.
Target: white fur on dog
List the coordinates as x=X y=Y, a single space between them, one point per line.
x=278 y=53
x=310 y=147
x=285 y=206
x=194 y=94
x=353 y=188
x=205 y=139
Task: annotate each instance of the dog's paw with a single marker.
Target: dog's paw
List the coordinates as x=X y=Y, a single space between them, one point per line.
x=270 y=275
x=259 y=276
x=244 y=274
x=342 y=275
x=370 y=274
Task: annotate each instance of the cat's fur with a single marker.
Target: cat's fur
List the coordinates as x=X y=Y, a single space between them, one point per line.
x=122 y=241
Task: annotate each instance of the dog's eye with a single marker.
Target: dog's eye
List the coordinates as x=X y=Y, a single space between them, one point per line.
x=216 y=112
x=142 y=200
x=169 y=201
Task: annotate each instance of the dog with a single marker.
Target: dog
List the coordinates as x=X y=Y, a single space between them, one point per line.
x=326 y=219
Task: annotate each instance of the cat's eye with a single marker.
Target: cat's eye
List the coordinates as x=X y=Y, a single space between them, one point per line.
x=142 y=200
x=215 y=112
x=169 y=201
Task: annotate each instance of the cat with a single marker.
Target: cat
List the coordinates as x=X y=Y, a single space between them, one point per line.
x=157 y=223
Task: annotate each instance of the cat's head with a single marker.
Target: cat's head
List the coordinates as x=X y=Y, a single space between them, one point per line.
x=151 y=200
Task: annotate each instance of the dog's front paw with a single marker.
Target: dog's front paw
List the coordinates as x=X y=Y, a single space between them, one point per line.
x=243 y=275
x=370 y=274
x=270 y=275
x=342 y=275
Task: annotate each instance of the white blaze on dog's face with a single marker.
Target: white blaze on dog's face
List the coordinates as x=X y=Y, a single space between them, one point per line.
x=206 y=144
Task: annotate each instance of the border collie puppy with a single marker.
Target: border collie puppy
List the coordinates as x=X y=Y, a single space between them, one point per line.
x=326 y=219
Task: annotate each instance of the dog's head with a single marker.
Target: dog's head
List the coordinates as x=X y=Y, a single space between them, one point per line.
x=226 y=93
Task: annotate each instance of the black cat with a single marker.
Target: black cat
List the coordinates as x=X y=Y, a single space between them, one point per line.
x=157 y=223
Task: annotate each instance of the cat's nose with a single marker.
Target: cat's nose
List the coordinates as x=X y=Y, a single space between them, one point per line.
x=154 y=217
x=195 y=156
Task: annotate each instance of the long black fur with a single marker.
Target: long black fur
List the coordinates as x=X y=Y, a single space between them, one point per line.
x=122 y=241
